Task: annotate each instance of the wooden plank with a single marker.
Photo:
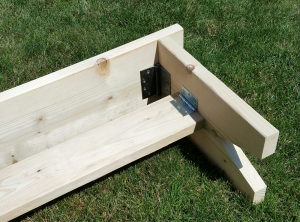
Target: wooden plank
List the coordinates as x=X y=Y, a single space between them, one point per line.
x=234 y=162
x=230 y=116
x=57 y=107
x=60 y=169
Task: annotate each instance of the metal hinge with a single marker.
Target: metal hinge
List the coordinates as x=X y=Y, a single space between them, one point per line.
x=186 y=103
x=155 y=81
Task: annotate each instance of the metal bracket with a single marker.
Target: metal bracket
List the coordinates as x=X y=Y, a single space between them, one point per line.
x=186 y=103
x=155 y=81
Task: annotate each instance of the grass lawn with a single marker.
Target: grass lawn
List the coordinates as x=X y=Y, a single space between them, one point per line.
x=252 y=46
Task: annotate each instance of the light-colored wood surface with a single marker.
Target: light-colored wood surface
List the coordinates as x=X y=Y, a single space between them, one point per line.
x=230 y=116
x=57 y=107
x=60 y=169
x=61 y=131
x=234 y=162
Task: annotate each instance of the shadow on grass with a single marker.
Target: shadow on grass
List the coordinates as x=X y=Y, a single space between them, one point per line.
x=188 y=151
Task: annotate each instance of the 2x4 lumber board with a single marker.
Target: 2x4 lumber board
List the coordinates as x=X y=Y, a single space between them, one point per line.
x=60 y=169
x=230 y=116
x=234 y=162
x=52 y=109
x=175 y=32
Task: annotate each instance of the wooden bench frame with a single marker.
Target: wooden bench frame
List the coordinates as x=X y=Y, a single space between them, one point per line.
x=75 y=125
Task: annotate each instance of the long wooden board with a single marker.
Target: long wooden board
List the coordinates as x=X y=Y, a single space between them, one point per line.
x=60 y=169
x=57 y=107
x=230 y=116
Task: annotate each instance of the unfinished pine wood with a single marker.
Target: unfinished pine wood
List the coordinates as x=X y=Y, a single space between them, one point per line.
x=230 y=116
x=60 y=169
x=234 y=162
x=57 y=107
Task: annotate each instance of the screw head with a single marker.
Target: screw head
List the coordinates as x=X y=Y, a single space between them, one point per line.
x=144 y=88
x=148 y=71
x=149 y=93
x=179 y=107
x=144 y=80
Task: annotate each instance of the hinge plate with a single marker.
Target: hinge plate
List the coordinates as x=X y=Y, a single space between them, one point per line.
x=165 y=81
x=155 y=80
x=186 y=103
x=189 y=96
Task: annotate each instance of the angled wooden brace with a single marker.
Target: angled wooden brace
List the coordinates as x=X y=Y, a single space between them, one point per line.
x=232 y=124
